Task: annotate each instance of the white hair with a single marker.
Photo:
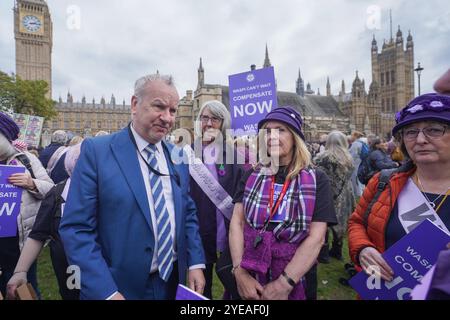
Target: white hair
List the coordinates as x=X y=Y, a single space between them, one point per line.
x=59 y=136
x=144 y=81
x=72 y=155
x=218 y=110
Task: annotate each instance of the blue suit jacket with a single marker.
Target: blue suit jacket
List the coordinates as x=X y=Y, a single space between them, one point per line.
x=106 y=227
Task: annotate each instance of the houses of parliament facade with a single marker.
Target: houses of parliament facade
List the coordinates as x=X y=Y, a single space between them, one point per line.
x=368 y=109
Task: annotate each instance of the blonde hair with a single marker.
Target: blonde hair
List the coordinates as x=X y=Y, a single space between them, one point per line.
x=301 y=157
x=75 y=140
x=336 y=148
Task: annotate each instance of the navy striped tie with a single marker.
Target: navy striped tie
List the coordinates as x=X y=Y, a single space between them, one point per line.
x=164 y=237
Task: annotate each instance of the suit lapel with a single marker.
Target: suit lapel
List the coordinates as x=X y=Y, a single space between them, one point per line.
x=126 y=156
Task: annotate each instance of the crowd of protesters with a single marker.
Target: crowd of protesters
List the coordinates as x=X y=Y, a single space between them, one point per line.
x=137 y=223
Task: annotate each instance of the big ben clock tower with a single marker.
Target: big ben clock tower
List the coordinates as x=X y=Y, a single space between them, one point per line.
x=33 y=35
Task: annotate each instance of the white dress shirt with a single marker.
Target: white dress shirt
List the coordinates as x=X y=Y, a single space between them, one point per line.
x=167 y=191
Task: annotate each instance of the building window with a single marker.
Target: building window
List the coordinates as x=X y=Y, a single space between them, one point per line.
x=387 y=78
x=77 y=124
x=99 y=124
x=54 y=125
x=382 y=105
x=394 y=107
x=392 y=77
x=382 y=79
x=66 y=124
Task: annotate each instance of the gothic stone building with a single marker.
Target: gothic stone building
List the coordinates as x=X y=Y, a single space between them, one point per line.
x=85 y=119
x=370 y=111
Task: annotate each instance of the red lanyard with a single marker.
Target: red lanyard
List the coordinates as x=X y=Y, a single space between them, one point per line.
x=280 y=197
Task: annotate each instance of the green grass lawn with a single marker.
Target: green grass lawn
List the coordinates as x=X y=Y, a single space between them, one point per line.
x=329 y=287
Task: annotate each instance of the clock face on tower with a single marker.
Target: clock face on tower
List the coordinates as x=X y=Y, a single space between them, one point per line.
x=31 y=23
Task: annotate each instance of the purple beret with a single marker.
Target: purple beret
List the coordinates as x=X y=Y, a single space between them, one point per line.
x=430 y=106
x=287 y=115
x=8 y=127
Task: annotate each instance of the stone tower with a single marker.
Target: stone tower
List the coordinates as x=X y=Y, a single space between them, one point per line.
x=359 y=102
x=300 y=86
x=33 y=35
x=393 y=71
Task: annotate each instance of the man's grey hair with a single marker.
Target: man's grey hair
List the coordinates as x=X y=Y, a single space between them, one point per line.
x=144 y=81
x=218 y=110
x=59 y=136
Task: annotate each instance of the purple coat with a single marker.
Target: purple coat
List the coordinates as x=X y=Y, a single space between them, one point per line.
x=206 y=209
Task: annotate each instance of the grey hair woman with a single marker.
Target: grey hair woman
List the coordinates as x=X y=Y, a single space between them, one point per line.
x=337 y=162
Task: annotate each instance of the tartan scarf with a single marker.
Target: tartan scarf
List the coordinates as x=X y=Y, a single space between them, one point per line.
x=300 y=200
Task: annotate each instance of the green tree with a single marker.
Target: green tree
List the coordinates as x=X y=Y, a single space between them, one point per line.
x=25 y=96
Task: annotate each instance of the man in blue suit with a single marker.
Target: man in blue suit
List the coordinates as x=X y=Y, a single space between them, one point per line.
x=129 y=223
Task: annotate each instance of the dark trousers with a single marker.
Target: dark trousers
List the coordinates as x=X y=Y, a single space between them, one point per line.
x=157 y=289
x=311 y=283
x=208 y=273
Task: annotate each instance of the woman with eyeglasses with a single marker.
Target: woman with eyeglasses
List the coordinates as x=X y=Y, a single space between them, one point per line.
x=219 y=170
x=422 y=182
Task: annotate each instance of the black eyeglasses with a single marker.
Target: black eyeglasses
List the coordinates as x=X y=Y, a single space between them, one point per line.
x=432 y=132
x=214 y=120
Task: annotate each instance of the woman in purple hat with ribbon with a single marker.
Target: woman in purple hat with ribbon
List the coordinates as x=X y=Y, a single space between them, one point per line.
x=282 y=208
x=416 y=191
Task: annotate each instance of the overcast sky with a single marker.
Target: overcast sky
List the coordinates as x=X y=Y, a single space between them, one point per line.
x=101 y=47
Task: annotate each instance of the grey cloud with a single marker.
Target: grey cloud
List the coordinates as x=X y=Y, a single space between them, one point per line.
x=120 y=41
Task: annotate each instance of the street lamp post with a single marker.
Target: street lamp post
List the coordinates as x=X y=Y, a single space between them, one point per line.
x=419 y=71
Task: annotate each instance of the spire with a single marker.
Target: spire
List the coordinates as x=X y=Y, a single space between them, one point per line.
x=328 y=87
x=343 y=87
x=308 y=89
x=356 y=82
x=374 y=45
x=399 y=35
x=409 y=43
x=200 y=75
x=83 y=100
x=113 y=100
x=266 y=59
x=300 y=87
x=409 y=36
x=318 y=91
x=390 y=21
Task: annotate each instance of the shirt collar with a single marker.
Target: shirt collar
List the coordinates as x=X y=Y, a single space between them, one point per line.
x=141 y=142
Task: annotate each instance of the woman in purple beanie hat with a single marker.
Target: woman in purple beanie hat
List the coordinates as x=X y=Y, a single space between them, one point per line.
x=282 y=208
x=416 y=191
x=13 y=233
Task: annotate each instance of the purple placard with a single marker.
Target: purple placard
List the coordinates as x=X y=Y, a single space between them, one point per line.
x=184 y=293
x=410 y=258
x=10 y=200
x=252 y=96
